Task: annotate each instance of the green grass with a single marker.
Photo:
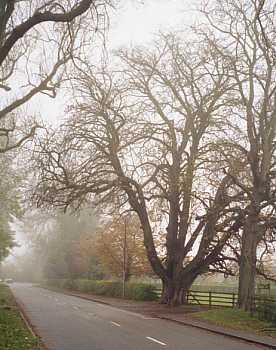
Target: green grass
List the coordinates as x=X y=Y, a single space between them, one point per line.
x=13 y=333
x=237 y=320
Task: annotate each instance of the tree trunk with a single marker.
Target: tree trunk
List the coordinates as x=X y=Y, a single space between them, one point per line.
x=174 y=293
x=247 y=273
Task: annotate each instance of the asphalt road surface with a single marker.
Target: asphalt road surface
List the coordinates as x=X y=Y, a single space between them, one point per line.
x=69 y=323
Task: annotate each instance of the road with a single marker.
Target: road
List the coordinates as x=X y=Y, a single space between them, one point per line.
x=69 y=323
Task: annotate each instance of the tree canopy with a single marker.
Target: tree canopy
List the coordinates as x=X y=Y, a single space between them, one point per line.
x=28 y=31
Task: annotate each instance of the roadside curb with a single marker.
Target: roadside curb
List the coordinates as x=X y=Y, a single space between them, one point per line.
x=27 y=323
x=215 y=331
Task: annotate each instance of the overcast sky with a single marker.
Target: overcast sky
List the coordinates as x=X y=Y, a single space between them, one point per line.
x=134 y=22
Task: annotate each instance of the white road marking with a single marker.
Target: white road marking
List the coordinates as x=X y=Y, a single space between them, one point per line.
x=115 y=324
x=156 y=341
x=75 y=307
x=129 y=312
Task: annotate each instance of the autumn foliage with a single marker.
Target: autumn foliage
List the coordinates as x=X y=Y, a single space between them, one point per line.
x=109 y=246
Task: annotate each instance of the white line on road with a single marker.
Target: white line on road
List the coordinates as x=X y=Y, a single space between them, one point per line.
x=75 y=307
x=115 y=324
x=156 y=341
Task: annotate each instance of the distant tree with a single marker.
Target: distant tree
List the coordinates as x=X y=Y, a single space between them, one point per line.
x=57 y=243
x=7 y=241
x=65 y=259
x=87 y=248
x=9 y=204
x=115 y=237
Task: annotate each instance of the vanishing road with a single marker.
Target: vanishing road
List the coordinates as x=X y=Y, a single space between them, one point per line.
x=69 y=323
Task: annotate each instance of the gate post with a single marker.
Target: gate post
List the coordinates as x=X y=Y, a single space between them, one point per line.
x=210 y=298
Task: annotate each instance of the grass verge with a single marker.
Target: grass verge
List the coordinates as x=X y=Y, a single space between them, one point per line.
x=14 y=334
x=236 y=320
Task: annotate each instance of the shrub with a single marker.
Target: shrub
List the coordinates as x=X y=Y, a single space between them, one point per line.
x=141 y=291
x=58 y=283
x=69 y=284
x=135 y=291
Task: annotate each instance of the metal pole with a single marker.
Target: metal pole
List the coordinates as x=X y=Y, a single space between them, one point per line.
x=124 y=258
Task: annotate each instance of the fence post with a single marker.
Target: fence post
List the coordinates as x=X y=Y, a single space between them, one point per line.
x=233 y=300
x=210 y=298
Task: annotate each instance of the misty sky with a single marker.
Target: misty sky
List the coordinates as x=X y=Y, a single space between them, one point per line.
x=134 y=22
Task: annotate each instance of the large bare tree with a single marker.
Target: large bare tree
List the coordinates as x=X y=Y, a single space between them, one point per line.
x=243 y=32
x=145 y=134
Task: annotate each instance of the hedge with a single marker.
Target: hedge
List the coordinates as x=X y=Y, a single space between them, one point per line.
x=134 y=291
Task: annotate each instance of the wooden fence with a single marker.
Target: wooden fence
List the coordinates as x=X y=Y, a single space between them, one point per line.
x=215 y=298
x=211 y=298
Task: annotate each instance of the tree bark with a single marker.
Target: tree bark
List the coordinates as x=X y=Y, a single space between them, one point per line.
x=248 y=261
x=174 y=292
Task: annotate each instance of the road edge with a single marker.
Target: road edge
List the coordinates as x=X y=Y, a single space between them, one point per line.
x=224 y=333
x=28 y=323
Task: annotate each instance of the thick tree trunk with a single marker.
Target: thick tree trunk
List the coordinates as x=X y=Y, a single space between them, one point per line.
x=248 y=260
x=174 y=293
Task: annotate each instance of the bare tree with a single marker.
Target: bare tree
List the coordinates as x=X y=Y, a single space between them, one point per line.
x=37 y=39
x=146 y=135
x=243 y=32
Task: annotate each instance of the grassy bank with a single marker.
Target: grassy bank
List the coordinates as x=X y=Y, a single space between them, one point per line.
x=236 y=320
x=13 y=333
